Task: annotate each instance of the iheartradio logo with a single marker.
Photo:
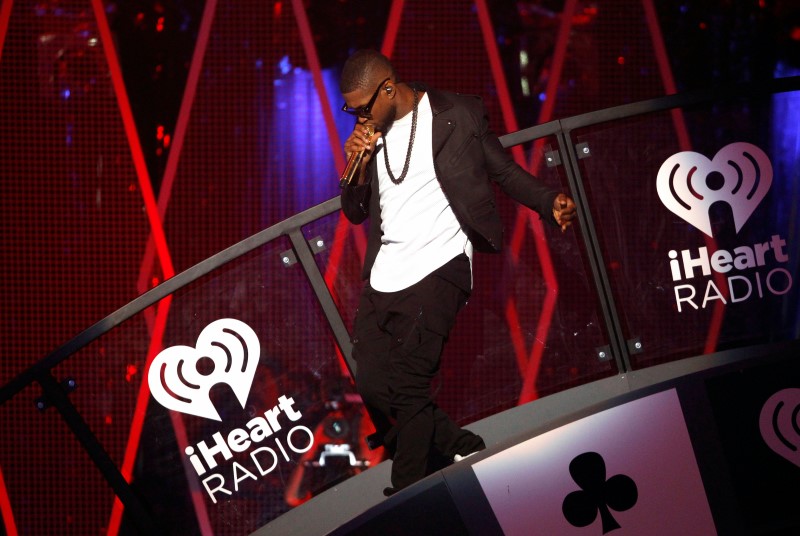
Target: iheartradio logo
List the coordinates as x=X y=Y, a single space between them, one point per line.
x=228 y=351
x=688 y=183
x=780 y=424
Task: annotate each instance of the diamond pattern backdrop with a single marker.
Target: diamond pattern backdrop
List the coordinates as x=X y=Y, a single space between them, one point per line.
x=88 y=222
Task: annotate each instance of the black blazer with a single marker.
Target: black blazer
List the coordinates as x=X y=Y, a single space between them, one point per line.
x=466 y=156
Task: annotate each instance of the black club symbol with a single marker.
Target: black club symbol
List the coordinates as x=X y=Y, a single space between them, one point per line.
x=580 y=507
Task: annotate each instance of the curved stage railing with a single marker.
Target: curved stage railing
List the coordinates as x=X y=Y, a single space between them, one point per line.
x=655 y=347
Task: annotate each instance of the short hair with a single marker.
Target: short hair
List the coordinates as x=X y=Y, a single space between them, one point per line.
x=360 y=68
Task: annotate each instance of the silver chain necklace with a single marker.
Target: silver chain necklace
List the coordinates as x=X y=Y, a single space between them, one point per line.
x=410 y=145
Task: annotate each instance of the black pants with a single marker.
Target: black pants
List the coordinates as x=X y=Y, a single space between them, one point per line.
x=397 y=344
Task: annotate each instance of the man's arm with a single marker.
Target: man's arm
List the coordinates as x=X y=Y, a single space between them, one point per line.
x=355 y=202
x=555 y=208
x=356 y=194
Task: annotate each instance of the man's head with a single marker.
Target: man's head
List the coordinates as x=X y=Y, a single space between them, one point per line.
x=364 y=70
x=368 y=85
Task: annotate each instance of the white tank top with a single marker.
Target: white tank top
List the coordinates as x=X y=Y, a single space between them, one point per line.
x=420 y=230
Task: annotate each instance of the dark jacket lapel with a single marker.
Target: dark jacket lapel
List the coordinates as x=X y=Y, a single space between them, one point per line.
x=443 y=124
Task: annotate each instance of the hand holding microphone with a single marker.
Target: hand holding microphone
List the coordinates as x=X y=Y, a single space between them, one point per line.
x=354 y=162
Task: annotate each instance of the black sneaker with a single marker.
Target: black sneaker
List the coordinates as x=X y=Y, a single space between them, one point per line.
x=390 y=491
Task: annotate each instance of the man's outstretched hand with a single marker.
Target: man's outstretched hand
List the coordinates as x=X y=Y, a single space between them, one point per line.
x=564 y=211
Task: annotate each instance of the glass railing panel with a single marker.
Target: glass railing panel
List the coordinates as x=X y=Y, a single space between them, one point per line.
x=579 y=333
x=52 y=485
x=280 y=422
x=339 y=252
x=696 y=218
x=111 y=394
x=533 y=325
x=300 y=375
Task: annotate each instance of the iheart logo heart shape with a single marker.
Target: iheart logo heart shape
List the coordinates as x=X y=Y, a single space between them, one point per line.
x=780 y=424
x=740 y=175
x=228 y=347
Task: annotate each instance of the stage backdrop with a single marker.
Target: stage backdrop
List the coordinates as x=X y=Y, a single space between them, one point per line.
x=100 y=202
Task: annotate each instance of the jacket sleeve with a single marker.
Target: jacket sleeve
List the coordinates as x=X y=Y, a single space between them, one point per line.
x=511 y=177
x=355 y=202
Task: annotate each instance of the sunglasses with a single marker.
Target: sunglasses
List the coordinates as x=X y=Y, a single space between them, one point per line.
x=366 y=110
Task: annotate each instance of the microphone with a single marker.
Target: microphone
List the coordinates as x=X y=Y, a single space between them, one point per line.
x=354 y=162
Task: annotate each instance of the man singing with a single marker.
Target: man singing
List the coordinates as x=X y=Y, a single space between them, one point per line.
x=430 y=202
